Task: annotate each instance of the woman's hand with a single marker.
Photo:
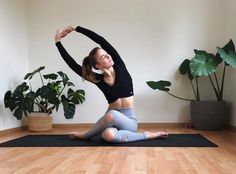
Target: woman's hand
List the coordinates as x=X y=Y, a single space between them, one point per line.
x=63 y=33
x=57 y=36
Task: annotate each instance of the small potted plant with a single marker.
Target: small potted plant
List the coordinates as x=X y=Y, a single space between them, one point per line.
x=38 y=104
x=206 y=115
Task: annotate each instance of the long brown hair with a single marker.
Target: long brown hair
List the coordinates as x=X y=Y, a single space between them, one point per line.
x=90 y=62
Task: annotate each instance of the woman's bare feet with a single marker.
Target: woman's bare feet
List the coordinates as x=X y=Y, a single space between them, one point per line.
x=76 y=135
x=152 y=135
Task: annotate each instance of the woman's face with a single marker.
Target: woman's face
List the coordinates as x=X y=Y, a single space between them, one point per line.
x=104 y=59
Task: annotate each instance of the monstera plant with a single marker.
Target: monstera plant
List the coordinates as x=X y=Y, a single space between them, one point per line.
x=55 y=90
x=201 y=65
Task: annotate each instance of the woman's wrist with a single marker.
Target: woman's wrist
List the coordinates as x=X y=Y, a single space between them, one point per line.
x=56 y=42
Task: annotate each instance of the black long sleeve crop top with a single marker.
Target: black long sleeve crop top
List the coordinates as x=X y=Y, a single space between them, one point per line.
x=122 y=87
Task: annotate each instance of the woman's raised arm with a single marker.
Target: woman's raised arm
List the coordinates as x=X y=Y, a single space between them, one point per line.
x=102 y=42
x=64 y=54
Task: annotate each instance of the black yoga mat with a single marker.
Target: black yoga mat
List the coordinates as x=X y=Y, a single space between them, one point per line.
x=173 y=140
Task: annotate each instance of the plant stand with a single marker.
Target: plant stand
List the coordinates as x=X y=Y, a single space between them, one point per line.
x=38 y=121
x=208 y=115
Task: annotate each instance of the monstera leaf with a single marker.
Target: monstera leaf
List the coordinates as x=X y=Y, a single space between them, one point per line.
x=161 y=85
x=47 y=93
x=203 y=64
x=76 y=97
x=70 y=111
x=64 y=77
x=69 y=107
x=19 y=102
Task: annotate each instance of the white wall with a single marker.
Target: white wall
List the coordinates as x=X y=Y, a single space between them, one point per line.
x=14 y=60
x=152 y=36
x=230 y=95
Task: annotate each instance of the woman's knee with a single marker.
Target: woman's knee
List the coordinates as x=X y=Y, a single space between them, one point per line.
x=110 y=115
x=109 y=134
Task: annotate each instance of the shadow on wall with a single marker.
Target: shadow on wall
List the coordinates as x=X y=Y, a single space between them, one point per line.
x=2 y=107
x=184 y=112
x=158 y=107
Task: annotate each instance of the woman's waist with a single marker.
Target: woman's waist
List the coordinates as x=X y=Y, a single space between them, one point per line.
x=122 y=103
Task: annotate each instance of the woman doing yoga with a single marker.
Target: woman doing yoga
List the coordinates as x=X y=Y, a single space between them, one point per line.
x=119 y=123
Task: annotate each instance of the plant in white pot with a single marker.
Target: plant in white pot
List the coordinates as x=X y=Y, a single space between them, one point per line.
x=206 y=115
x=38 y=104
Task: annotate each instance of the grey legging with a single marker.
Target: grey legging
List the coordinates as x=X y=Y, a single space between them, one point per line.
x=116 y=126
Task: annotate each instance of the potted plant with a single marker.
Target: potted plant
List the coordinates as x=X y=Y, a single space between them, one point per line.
x=205 y=115
x=38 y=104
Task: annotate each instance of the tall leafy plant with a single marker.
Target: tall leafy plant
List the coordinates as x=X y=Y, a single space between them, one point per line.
x=203 y=64
x=55 y=90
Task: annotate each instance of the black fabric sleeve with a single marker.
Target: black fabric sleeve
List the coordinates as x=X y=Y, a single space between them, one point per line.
x=68 y=59
x=102 y=42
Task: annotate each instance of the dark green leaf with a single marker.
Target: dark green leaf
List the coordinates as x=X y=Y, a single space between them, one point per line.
x=30 y=75
x=7 y=98
x=70 y=84
x=229 y=46
x=63 y=97
x=55 y=86
x=70 y=92
x=18 y=113
x=65 y=104
x=20 y=104
x=54 y=101
x=69 y=112
x=78 y=97
x=229 y=57
x=161 y=85
x=57 y=106
x=64 y=77
x=47 y=93
x=51 y=76
x=184 y=66
x=82 y=92
x=21 y=88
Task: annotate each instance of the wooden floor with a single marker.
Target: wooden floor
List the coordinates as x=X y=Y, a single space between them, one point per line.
x=122 y=160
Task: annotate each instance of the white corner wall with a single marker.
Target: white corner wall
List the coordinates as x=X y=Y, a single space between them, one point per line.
x=14 y=60
x=153 y=37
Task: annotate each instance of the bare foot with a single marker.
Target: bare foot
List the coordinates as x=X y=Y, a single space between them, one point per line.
x=76 y=135
x=152 y=135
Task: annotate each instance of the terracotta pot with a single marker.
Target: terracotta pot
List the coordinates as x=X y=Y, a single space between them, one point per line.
x=39 y=121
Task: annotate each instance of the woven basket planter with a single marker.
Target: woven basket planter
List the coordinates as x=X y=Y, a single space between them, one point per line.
x=38 y=121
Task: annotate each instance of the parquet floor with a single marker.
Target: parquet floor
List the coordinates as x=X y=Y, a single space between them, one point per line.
x=122 y=160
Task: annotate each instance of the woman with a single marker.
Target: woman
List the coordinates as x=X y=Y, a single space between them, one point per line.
x=119 y=123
